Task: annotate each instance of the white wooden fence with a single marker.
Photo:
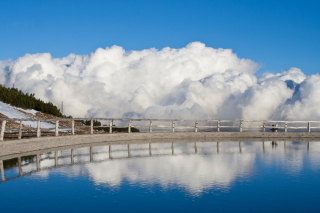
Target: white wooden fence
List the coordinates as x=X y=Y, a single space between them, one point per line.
x=167 y=124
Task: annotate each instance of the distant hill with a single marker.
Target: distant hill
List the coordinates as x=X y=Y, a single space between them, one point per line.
x=17 y=98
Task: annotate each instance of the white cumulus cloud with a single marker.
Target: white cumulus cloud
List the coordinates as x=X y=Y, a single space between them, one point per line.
x=195 y=82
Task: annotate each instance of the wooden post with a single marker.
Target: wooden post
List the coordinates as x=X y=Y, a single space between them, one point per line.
x=3 y=129
x=20 y=131
x=240 y=127
x=264 y=126
x=39 y=129
x=91 y=127
x=57 y=128
x=285 y=127
x=129 y=126
x=2 y=171
x=218 y=126
x=309 y=129
x=276 y=128
x=196 y=126
x=110 y=126
x=172 y=126
x=72 y=127
x=150 y=126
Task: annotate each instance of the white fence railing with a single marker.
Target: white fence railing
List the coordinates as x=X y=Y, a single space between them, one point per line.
x=151 y=125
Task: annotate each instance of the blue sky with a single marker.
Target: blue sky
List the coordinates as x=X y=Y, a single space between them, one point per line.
x=277 y=34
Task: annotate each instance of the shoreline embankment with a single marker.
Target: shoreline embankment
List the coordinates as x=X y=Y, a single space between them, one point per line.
x=16 y=147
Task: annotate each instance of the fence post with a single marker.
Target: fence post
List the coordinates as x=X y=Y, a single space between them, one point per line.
x=3 y=129
x=39 y=129
x=110 y=126
x=129 y=126
x=172 y=126
x=20 y=131
x=91 y=126
x=240 y=127
x=218 y=126
x=276 y=128
x=309 y=129
x=57 y=128
x=72 y=127
x=264 y=126
x=196 y=126
x=285 y=127
x=150 y=126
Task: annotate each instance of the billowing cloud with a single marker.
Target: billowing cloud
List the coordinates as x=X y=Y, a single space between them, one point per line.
x=195 y=82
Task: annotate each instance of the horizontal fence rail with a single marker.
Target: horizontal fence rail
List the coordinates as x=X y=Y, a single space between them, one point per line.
x=148 y=125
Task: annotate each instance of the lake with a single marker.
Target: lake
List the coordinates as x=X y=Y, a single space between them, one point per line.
x=228 y=176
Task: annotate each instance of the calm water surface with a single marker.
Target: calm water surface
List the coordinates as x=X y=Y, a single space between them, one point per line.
x=166 y=177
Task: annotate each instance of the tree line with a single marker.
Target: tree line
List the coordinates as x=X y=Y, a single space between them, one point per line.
x=17 y=98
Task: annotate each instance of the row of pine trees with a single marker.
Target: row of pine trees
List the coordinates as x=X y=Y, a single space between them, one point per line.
x=17 y=98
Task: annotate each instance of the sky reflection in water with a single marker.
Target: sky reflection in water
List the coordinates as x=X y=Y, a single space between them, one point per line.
x=157 y=177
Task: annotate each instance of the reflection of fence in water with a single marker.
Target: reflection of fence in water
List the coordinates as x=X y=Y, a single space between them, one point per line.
x=82 y=155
